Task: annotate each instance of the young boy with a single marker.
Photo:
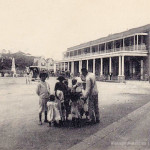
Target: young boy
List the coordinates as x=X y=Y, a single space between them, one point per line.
x=53 y=114
x=43 y=91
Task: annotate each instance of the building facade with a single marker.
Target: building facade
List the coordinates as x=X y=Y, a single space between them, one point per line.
x=43 y=63
x=119 y=56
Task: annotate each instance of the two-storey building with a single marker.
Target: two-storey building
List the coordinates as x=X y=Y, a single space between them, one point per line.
x=124 y=55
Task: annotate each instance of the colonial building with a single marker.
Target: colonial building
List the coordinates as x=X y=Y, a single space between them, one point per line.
x=120 y=56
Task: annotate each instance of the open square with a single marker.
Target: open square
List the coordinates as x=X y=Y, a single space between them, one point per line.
x=19 y=114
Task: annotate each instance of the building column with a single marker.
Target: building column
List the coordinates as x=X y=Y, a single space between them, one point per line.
x=110 y=68
x=68 y=66
x=122 y=65
x=119 y=66
x=137 y=42
x=121 y=77
x=141 y=69
x=80 y=66
x=94 y=66
x=87 y=65
x=64 y=66
x=101 y=73
x=72 y=67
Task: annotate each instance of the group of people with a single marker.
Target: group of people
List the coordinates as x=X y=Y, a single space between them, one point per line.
x=78 y=99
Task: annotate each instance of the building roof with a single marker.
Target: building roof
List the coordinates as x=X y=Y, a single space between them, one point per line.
x=110 y=37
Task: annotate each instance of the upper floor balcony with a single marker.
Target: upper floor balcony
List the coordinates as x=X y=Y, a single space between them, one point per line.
x=136 y=42
x=139 y=48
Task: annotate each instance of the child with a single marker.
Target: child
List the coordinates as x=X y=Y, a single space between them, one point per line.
x=75 y=98
x=53 y=114
x=43 y=91
x=67 y=99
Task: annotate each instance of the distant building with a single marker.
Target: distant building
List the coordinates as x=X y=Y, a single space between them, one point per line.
x=43 y=63
x=50 y=64
x=124 y=55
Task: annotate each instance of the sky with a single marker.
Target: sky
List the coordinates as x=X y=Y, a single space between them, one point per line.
x=48 y=27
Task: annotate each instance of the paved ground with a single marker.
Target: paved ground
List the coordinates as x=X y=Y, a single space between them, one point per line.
x=129 y=133
x=19 y=114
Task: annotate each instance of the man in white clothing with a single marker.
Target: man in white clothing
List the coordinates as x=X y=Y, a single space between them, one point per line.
x=91 y=92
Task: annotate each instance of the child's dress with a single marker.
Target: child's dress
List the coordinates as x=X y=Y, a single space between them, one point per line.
x=53 y=112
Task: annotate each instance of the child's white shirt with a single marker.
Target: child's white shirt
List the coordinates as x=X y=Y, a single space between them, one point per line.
x=43 y=90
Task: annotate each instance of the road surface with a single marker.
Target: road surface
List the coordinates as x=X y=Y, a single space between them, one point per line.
x=19 y=114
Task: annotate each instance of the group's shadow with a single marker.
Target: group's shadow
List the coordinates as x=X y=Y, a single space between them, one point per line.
x=74 y=123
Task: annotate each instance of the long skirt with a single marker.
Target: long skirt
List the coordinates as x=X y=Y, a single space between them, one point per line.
x=60 y=101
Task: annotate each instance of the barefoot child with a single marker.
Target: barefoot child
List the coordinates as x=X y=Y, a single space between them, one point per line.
x=43 y=91
x=53 y=114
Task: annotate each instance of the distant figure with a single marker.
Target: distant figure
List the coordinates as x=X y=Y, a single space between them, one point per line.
x=110 y=76
x=28 y=76
x=43 y=91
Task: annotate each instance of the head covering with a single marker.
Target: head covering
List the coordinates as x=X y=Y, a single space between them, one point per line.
x=52 y=97
x=43 y=74
x=61 y=78
x=84 y=70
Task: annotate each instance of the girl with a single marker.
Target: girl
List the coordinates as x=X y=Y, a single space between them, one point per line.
x=53 y=114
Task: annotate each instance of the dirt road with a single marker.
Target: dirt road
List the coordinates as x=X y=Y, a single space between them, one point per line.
x=19 y=114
